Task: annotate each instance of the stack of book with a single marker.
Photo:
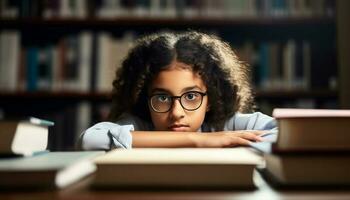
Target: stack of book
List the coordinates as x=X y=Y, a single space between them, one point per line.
x=46 y=170
x=23 y=137
x=312 y=148
x=25 y=161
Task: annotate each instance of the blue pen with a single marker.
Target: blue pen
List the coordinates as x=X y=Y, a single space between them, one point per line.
x=43 y=122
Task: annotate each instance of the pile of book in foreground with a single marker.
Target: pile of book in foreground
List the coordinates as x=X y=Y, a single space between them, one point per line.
x=312 y=148
x=25 y=163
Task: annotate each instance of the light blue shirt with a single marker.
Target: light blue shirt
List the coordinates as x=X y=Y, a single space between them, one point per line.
x=108 y=135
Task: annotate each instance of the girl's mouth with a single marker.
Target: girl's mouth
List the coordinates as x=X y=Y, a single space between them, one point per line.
x=178 y=127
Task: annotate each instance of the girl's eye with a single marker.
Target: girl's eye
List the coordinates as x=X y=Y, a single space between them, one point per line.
x=191 y=96
x=162 y=98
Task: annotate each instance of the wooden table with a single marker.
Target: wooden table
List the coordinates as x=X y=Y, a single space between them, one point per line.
x=81 y=190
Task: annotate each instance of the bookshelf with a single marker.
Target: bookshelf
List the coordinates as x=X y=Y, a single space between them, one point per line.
x=76 y=95
x=105 y=96
x=47 y=95
x=343 y=52
x=132 y=21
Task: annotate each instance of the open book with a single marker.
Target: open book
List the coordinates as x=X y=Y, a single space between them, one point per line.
x=177 y=168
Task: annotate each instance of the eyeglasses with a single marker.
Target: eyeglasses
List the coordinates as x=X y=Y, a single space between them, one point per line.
x=162 y=103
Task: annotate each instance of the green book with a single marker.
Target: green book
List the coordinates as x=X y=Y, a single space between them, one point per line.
x=50 y=170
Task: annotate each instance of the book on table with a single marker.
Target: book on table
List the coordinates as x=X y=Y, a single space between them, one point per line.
x=177 y=168
x=323 y=169
x=309 y=130
x=46 y=170
x=23 y=137
x=312 y=148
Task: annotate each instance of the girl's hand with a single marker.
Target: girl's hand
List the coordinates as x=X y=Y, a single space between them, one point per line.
x=226 y=138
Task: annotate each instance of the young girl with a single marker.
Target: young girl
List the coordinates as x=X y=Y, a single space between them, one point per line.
x=172 y=90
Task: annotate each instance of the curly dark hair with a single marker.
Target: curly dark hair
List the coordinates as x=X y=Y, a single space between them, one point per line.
x=226 y=77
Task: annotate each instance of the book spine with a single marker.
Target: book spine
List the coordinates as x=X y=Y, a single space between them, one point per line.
x=85 y=61
x=32 y=69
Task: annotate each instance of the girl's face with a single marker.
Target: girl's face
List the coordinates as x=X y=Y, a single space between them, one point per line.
x=178 y=80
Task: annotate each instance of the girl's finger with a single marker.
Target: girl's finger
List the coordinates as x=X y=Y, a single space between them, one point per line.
x=251 y=136
x=255 y=132
x=247 y=135
x=239 y=141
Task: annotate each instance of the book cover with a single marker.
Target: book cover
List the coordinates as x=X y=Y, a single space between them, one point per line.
x=32 y=68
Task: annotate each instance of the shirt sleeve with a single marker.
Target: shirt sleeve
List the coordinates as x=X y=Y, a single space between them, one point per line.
x=254 y=121
x=106 y=136
x=251 y=121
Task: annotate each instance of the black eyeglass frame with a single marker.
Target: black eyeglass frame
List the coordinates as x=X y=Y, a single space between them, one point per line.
x=177 y=97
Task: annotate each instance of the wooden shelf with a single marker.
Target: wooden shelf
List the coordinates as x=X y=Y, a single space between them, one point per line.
x=105 y=96
x=161 y=21
x=69 y=96
x=294 y=94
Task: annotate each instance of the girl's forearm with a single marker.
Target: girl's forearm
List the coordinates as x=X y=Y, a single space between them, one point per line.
x=163 y=139
x=169 y=139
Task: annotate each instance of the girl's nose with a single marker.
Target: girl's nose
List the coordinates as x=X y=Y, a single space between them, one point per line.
x=177 y=111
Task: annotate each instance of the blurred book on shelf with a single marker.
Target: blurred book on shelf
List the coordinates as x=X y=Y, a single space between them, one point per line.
x=75 y=64
x=111 y=53
x=9 y=59
x=279 y=65
x=166 y=8
x=62 y=66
